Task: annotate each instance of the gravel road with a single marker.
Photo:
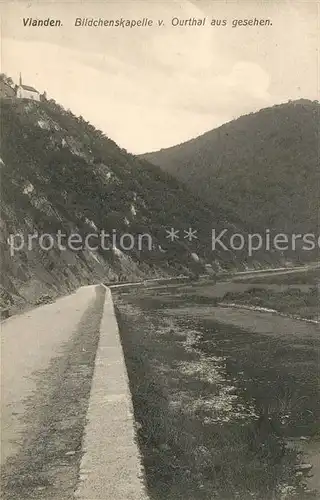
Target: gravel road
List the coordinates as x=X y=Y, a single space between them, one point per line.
x=47 y=363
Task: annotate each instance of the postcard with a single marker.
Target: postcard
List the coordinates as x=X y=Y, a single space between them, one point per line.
x=160 y=240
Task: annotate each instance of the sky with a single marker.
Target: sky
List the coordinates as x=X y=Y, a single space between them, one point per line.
x=153 y=87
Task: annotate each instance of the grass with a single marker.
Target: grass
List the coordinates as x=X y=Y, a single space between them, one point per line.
x=292 y=301
x=199 y=442
x=310 y=277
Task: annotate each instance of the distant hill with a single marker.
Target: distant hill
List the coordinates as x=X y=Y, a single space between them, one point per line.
x=264 y=167
x=59 y=173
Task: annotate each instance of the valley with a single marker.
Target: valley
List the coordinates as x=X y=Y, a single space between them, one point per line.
x=143 y=357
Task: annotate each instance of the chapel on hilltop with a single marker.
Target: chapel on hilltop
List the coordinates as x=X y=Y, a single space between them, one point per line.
x=26 y=92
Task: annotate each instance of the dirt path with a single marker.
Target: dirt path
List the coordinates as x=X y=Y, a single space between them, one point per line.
x=48 y=356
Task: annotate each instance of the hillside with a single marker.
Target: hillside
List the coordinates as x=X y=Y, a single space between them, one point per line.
x=58 y=173
x=263 y=166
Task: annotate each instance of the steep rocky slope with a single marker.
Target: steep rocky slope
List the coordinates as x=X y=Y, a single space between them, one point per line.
x=58 y=173
x=262 y=166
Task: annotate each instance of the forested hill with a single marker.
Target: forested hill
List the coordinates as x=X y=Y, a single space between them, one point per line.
x=58 y=173
x=263 y=166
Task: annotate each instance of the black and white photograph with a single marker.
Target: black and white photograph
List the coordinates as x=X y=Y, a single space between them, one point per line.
x=160 y=243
